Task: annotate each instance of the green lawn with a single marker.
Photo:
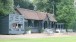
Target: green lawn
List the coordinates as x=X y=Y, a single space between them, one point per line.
x=52 y=39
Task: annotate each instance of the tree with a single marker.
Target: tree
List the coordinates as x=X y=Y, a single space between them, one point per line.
x=24 y=4
x=6 y=7
x=65 y=12
x=72 y=25
x=43 y=5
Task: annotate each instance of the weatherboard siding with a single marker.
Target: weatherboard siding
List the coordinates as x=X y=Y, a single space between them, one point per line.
x=5 y=25
x=16 y=18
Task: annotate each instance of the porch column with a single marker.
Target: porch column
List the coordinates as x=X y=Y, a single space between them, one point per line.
x=50 y=25
x=47 y=24
x=25 y=25
x=63 y=25
x=32 y=23
x=60 y=26
x=57 y=25
x=42 y=24
x=40 y=27
x=54 y=26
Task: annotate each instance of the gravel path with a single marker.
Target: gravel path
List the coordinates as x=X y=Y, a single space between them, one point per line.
x=36 y=35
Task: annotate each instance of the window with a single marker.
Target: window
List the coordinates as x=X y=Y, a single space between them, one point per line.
x=52 y=24
x=16 y=25
x=29 y=23
x=36 y=23
x=58 y=26
x=45 y=25
x=19 y=25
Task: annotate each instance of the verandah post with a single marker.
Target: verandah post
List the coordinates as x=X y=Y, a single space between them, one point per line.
x=42 y=24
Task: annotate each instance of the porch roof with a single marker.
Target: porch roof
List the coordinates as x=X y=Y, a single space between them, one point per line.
x=52 y=17
x=35 y=15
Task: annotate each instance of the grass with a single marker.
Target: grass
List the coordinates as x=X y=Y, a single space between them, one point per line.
x=52 y=39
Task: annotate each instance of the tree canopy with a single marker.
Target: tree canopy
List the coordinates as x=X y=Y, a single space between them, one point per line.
x=24 y=4
x=65 y=13
x=43 y=5
x=6 y=6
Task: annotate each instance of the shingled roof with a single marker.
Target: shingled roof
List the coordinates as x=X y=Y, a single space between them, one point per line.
x=35 y=15
x=52 y=17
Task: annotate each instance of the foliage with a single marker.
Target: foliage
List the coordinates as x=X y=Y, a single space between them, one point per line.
x=24 y=4
x=43 y=5
x=73 y=22
x=6 y=6
x=65 y=12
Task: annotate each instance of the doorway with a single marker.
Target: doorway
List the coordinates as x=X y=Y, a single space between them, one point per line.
x=45 y=25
